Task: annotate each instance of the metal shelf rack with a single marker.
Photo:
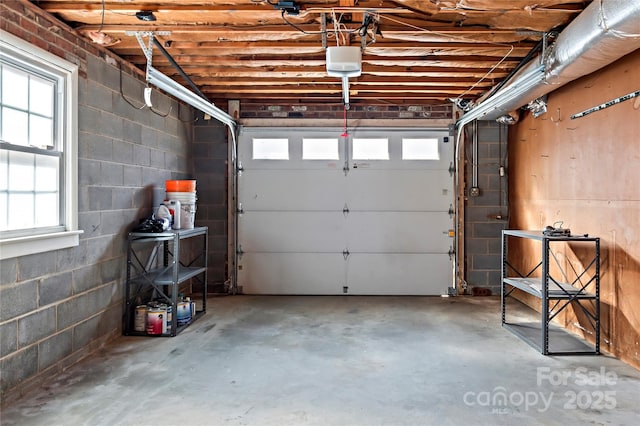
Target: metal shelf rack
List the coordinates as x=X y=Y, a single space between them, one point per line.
x=154 y=265
x=555 y=294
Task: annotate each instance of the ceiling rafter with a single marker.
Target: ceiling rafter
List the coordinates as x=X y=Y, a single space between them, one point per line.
x=423 y=51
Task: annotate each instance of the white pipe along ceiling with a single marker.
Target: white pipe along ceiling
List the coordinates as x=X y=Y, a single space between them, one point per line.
x=604 y=32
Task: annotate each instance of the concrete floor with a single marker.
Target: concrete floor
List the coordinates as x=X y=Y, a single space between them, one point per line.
x=336 y=361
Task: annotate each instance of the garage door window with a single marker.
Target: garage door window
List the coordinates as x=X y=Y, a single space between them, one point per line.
x=270 y=149
x=370 y=149
x=420 y=149
x=320 y=149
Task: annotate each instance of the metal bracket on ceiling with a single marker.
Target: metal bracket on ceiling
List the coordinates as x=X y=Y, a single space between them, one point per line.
x=363 y=34
x=147 y=49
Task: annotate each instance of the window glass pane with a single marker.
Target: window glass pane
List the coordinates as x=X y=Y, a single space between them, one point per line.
x=41 y=97
x=36 y=188
x=41 y=132
x=47 y=210
x=15 y=126
x=370 y=149
x=21 y=171
x=20 y=211
x=4 y=156
x=3 y=211
x=270 y=149
x=15 y=88
x=320 y=149
x=46 y=173
x=420 y=149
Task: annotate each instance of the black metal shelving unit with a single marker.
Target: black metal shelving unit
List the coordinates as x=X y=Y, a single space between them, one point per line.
x=555 y=293
x=154 y=266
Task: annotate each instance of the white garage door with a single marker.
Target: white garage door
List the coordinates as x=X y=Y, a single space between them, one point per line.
x=321 y=213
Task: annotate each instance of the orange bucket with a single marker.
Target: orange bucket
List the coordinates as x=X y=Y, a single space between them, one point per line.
x=180 y=186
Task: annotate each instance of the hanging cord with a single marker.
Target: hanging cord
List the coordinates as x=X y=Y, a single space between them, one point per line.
x=102 y=18
x=345 y=135
x=345 y=132
x=336 y=25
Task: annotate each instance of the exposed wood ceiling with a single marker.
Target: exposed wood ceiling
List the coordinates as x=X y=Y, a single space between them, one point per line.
x=416 y=51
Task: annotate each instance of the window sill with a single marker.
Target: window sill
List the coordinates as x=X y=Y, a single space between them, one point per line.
x=23 y=246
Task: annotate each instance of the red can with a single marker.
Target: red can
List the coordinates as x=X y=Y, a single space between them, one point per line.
x=156 y=323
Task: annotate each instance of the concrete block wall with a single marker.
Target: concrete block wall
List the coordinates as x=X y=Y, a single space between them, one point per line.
x=486 y=215
x=210 y=171
x=57 y=307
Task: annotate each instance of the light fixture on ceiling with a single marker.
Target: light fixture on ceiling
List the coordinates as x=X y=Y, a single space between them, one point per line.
x=98 y=37
x=344 y=62
x=146 y=15
x=103 y=39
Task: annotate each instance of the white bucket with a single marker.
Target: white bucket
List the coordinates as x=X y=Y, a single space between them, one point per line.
x=187 y=207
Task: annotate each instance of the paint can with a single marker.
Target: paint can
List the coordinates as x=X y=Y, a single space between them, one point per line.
x=140 y=318
x=184 y=313
x=156 y=324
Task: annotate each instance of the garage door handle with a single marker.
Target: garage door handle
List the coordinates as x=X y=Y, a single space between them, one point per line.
x=345 y=210
x=345 y=254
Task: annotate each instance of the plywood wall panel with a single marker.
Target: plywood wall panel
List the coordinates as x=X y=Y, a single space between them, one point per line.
x=586 y=173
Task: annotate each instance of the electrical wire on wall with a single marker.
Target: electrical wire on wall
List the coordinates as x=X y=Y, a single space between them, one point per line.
x=144 y=104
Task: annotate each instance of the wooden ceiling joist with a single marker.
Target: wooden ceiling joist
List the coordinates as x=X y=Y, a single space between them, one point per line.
x=425 y=51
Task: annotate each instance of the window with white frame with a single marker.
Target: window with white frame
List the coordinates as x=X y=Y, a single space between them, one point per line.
x=320 y=149
x=420 y=149
x=370 y=149
x=38 y=158
x=270 y=149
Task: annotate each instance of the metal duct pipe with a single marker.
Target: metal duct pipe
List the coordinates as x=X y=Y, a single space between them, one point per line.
x=605 y=31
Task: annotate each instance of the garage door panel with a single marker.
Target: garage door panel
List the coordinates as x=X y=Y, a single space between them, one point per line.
x=305 y=190
x=390 y=217
x=399 y=274
x=411 y=190
x=398 y=232
x=314 y=232
x=291 y=273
